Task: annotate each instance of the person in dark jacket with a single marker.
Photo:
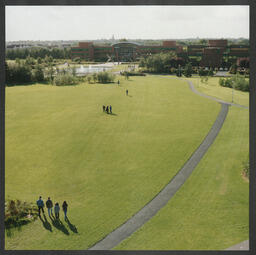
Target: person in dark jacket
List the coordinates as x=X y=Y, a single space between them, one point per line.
x=110 y=109
x=107 y=109
x=40 y=204
x=49 y=206
x=127 y=92
x=57 y=210
x=103 y=107
x=65 y=208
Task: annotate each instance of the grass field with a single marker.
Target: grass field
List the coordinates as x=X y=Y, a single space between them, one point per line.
x=213 y=88
x=211 y=210
x=59 y=143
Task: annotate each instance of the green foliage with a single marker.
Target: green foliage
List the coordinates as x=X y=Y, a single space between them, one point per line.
x=233 y=68
x=210 y=73
x=105 y=77
x=36 y=52
x=89 y=78
x=188 y=70
x=237 y=82
x=159 y=63
x=18 y=72
x=65 y=79
x=38 y=74
x=18 y=213
x=203 y=72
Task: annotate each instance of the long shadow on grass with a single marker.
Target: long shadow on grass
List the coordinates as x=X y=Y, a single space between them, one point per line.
x=71 y=226
x=46 y=223
x=59 y=225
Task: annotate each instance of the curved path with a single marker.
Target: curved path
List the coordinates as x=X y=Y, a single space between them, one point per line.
x=161 y=199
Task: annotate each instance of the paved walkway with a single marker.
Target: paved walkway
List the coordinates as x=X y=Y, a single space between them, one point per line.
x=244 y=246
x=161 y=199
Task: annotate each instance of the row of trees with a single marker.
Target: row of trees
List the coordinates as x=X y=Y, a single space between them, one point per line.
x=23 y=73
x=171 y=64
x=22 y=53
x=161 y=62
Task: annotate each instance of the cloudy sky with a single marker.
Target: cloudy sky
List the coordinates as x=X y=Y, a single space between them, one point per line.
x=131 y=22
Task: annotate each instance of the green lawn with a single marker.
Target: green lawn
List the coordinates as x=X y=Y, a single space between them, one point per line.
x=213 y=88
x=59 y=143
x=211 y=210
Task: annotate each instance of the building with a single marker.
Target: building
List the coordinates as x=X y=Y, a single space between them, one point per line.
x=215 y=54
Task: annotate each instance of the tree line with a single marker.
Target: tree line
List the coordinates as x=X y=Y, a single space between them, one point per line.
x=36 y=52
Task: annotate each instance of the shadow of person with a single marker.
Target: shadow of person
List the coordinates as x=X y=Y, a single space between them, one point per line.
x=59 y=225
x=46 y=223
x=113 y=114
x=71 y=226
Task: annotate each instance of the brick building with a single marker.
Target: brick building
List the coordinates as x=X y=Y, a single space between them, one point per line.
x=211 y=55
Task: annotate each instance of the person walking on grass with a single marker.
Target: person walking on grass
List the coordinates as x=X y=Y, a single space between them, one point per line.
x=49 y=206
x=103 y=107
x=57 y=210
x=107 y=109
x=40 y=204
x=127 y=92
x=65 y=208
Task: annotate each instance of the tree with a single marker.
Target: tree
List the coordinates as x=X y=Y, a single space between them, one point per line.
x=94 y=77
x=188 y=70
x=38 y=74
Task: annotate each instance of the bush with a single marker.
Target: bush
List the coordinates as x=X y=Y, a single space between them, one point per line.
x=18 y=213
x=38 y=74
x=222 y=82
x=105 y=77
x=239 y=83
x=65 y=79
x=188 y=70
x=18 y=73
x=203 y=72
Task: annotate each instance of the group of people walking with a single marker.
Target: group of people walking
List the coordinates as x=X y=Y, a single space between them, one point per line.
x=49 y=205
x=107 y=109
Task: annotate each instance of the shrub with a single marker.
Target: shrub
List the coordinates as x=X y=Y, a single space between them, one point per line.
x=18 y=73
x=105 y=77
x=222 y=82
x=65 y=79
x=18 y=213
x=89 y=78
x=188 y=70
x=38 y=74
x=239 y=83
x=203 y=72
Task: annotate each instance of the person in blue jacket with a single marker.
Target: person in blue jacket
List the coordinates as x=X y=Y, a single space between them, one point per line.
x=40 y=204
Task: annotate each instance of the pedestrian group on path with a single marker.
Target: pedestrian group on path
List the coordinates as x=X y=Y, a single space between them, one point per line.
x=49 y=205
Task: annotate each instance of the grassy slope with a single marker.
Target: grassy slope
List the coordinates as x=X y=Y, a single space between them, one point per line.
x=60 y=144
x=211 y=209
x=213 y=88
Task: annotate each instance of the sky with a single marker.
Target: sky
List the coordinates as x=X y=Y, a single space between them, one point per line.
x=130 y=22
